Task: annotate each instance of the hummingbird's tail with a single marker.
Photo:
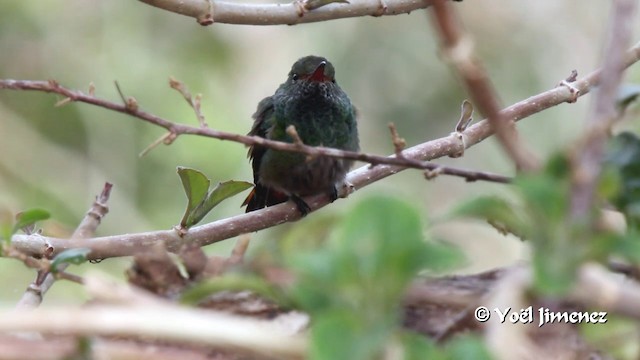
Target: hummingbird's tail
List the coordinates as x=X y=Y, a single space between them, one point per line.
x=262 y=196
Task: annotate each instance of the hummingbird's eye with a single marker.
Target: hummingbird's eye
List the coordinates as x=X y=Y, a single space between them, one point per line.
x=294 y=77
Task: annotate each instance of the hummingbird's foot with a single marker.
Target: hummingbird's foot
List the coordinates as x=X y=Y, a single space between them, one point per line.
x=302 y=205
x=333 y=194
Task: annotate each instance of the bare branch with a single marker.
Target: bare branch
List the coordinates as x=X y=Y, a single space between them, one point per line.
x=587 y=161
x=458 y=50
x=157 y=321
x=127 y=244
x=207 y=12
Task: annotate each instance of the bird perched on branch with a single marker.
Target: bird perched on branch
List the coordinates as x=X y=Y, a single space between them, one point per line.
x=322 y=115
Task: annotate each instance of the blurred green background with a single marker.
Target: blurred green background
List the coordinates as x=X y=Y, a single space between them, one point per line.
x=58 y=158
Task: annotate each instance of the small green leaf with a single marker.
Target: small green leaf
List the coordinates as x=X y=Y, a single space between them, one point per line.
x=627 y=94
x=72 y=256
x=220 y=193
x=6 y=227
x=499 y=212
x=196 y=186
x=239 y=282
x=29 y=217
x=200 y=200
x=468 y=347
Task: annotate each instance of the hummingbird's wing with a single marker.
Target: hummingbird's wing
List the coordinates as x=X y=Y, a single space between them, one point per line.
x=261 y=196
x=263 y=120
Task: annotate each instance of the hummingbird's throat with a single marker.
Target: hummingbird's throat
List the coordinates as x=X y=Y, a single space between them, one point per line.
x=318 y=74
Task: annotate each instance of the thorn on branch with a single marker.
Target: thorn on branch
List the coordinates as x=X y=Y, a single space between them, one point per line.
x=194 y=103
x=130 y=103
x=207 y=18
x=92 y=89
x=398 y=143
x=433 y=173
x=382 y=8
x=291 y=131
x=575 y=92
x=167 y=139
x=63 y=102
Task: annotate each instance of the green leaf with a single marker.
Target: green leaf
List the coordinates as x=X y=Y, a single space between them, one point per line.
x=237 y=282
x=221 y=192
x=627 y=94
x=200 y=200
x=29 y=217
x=196 y=186
x=468 y=347
x=499 y=212
x=341 y=334
x=72 y=256
x=623 y=160
x=615 y=339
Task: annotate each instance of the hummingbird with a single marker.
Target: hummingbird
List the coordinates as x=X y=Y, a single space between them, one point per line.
x=322 y=114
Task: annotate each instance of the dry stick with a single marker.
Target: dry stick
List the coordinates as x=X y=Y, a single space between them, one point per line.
x=32 y=297
x=131 y=107
x=127 y=244
x=194 y=103
x=158 y=322
x=458 y=49
x=587 y=163
x=209 y=12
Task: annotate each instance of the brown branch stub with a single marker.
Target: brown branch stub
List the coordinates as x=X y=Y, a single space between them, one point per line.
x=458 y=50
x=207 y=12
x=398 y=143
x=466 y=116
x=193 y=102
x=291 y=131
x=575 y=92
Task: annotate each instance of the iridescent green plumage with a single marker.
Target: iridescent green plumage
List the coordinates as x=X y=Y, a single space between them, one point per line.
x=323 y=115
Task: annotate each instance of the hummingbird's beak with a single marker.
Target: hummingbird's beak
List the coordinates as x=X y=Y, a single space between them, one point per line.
x=318 y=74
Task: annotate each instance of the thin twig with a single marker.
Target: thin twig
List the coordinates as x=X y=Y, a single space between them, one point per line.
x=209 y=12
x=588 y=160
x=194 y=103
x=458 y=49
x=180 y=129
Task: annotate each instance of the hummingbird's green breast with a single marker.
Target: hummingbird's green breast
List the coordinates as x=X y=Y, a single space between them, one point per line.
x=322 y=114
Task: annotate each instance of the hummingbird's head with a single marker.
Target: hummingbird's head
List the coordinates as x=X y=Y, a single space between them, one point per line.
x=312 y=69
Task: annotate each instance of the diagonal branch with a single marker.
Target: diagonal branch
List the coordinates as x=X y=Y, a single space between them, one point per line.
x=127 y=244
x=588 y=160
x=458 y=49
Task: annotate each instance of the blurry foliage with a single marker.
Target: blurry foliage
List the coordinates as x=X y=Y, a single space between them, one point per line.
x=352 y=281
x=541 y=216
